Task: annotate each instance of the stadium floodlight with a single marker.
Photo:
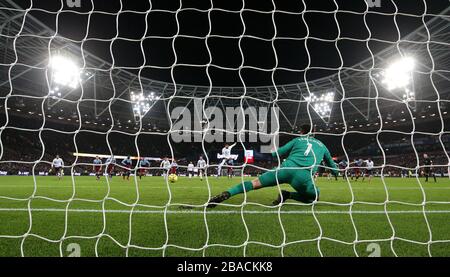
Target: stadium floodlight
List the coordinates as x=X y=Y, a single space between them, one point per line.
x=398 y=74
x=142 y=103
x=65 y=72
x=322 y=104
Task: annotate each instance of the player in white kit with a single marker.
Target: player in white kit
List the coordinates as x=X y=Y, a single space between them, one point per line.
x=190 y=169
x=165 y=166
x=201 y=167
x=226 y=158
x=369 y=168
x=57 y=166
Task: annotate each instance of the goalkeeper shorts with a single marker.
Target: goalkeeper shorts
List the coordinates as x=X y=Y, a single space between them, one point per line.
x=299 y=179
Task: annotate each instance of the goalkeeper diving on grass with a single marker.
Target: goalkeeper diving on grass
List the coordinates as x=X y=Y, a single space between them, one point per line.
x=303 y=157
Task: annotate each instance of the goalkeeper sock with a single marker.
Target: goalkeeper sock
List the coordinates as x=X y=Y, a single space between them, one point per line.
x=239 y=188
x=301 y=198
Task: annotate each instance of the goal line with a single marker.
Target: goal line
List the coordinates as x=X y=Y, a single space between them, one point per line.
x=162 y=211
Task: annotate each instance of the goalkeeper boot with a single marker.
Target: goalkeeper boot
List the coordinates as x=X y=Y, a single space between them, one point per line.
x=218 y=199
x=281 y=198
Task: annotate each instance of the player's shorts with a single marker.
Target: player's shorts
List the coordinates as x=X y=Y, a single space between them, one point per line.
x=369 y=172
x=191 y=172
x=142 y=171
x=230 y=162
x=299 y=179
x=173 y=170
x=110 y=168
x=356 y=171
x=127 y=171
x=97 y=169
x=57 y=169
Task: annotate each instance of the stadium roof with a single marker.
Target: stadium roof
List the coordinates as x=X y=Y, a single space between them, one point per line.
x=110 y=86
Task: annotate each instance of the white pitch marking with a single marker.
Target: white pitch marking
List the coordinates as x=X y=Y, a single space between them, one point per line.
x=218 y=211
x=172 y=187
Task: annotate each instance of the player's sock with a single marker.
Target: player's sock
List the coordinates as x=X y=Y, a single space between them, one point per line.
x=301 y=198
x=285 y=195
x=218 y=199
x=237 y=189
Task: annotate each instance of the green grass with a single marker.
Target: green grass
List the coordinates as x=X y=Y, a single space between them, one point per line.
x=148 y=230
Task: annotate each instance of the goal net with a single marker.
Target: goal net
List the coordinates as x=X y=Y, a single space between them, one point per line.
x=147 y=87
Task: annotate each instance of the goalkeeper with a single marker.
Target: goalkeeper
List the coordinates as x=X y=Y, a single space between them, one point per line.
x=303 y=156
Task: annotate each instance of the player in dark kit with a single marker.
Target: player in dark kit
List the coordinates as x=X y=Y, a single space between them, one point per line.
x=357 y=169
x=127 y=163
x=342 y=167
x=144 y=163
x=110 y=166
x=97 y=167
x=428 y=169
x=173 y=167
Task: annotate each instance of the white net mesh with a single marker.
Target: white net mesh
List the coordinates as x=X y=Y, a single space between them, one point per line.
x=80 y=77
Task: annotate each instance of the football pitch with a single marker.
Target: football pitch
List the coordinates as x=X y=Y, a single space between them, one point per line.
x=148 y=217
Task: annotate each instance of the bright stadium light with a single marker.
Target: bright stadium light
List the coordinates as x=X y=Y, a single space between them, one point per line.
x=142 y=103
x=399 y=74
x=322 y=104
x=64 y=72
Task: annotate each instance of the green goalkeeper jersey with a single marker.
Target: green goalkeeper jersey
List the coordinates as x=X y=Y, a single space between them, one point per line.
x=306 y=152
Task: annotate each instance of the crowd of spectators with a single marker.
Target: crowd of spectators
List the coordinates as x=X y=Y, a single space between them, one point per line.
x=33 y=152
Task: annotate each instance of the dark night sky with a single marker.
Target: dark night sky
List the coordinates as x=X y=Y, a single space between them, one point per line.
x=225 y=51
